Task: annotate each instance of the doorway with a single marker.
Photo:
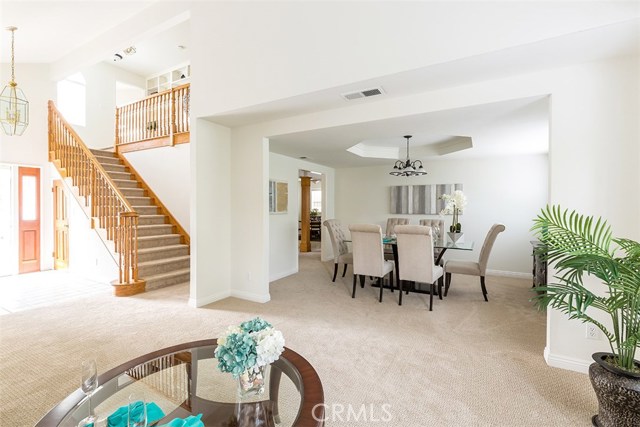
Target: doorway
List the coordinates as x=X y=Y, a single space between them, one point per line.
x=60 y=227
x=29 y=219
x=7 y=252
x=310 y=214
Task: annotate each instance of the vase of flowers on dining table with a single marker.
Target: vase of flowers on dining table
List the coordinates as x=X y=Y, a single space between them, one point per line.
x=454 y=204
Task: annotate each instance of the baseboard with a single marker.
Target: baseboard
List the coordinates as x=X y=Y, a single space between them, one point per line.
x=509 y=274
x=251 y=296
x=282 y=275
x=569 y=363
x=200 y=302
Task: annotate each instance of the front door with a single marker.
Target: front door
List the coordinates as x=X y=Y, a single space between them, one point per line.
x=61 y=227
x=29 y=219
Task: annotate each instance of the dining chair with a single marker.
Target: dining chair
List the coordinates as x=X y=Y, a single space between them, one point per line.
x=416 y=261
x=437 y=235
x=368 y=257
x=391 y=224
x=341 y=252
x=474 y=268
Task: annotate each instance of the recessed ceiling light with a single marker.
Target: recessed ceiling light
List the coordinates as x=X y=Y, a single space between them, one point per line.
x=130 y=50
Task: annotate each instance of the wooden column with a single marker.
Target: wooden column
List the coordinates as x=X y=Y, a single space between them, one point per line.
x=305 y=213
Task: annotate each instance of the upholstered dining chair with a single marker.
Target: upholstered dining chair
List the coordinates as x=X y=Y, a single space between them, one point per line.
x=368 y=257
x=391 y=224
x=436 y=236
x=474 y=268
x=341 y=254
x=415 y=256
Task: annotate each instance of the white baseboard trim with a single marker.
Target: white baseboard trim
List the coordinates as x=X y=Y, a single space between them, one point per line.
x=509 y=274
x=564 y=362
x=282 y=275
x=200 y=302
x=250 y=296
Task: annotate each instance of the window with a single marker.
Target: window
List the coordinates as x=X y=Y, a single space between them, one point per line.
x=72 y=100
x=316 y=200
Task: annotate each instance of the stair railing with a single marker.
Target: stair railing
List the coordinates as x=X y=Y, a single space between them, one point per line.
x=163 y=115
x=107 y=204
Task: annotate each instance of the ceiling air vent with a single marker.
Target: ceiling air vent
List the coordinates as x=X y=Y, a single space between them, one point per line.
x=363 y=93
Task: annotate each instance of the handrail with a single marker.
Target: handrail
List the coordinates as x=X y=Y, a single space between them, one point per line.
x=162 y=115
x=107 y=203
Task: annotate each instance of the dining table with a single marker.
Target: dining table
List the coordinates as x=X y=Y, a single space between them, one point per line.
x=442 y=243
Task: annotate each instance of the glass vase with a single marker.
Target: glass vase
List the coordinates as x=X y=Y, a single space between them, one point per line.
x=251 y=382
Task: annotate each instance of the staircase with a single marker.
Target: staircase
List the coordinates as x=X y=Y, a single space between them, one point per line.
x=163 y=255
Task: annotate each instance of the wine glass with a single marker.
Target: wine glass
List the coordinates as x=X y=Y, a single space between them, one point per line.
x=89 y=385
x=137 y=410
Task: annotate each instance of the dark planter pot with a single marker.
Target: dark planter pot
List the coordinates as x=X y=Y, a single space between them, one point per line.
x=618 y=394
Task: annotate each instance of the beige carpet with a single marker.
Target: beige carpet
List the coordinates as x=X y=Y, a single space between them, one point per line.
x=467 y=363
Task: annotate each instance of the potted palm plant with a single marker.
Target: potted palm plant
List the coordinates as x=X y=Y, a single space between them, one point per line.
x=578 y=246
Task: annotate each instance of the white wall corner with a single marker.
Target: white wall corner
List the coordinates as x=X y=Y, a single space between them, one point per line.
x=251 y=296
x=201 y=302
x=564 y=362
x=282 y=274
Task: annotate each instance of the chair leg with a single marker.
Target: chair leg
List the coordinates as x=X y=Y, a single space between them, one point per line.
x=447 y=283
x=440 y=282
x=433 y=289
x=353 y=294
x=335 y=272
x=381 y=283
x=343 y=271
x=391 y=283
x=400 y=287
x=484 y=288
x=362 y=281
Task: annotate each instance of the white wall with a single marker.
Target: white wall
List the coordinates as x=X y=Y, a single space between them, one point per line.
x=258 y=52
x=210 y=213
x=507 y=190
x=283 y=228
x=101 y=79
x=31 y=149
x=167 y=171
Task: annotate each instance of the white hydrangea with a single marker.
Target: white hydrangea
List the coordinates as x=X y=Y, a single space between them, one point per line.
x=222 y=339
x=269 y=346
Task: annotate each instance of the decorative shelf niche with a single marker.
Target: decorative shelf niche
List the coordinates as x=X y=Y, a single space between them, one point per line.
x=169 y=79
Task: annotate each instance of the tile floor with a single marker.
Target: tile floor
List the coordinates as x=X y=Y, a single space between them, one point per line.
x=31 y=290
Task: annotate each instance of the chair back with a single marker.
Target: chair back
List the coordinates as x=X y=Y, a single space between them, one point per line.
x=488 y=245
x=368 y=256
x=434 y=223
x=392 y=222
x=415 y=253
x=337 y=236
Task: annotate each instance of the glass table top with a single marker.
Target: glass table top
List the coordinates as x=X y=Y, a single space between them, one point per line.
x=187 y=382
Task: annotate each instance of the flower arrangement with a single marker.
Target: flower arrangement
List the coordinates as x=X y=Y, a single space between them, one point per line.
x=248 y=347
x=454 y=203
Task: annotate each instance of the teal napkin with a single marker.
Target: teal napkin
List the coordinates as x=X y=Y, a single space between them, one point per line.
x=119 y=417
x=190 y=421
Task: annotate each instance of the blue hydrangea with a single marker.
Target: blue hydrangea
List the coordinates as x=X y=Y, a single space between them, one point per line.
x=237 y=354
x=255 y=325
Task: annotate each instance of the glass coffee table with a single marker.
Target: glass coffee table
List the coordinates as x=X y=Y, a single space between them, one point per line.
x=184 y=380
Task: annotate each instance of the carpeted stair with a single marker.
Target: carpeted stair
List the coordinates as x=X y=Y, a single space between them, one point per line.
x=163 y=260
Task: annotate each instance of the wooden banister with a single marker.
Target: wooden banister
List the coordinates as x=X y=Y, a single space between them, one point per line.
x=162 y=117
x=105 y=201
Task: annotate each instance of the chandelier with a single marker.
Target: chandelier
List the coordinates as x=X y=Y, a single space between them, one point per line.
x=14 y=107
x=407 y=167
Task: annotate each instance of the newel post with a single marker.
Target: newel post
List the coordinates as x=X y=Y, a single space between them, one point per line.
x=127 y=247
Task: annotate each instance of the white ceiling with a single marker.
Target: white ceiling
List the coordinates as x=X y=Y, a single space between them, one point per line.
x=51 y=30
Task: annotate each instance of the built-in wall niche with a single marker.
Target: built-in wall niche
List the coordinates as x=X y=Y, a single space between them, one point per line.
x=169 y=79
x=420 y=199
x=278 y=197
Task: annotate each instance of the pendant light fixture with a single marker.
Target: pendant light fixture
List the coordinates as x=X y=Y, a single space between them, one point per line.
x=408 y=168
x=14 y=107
